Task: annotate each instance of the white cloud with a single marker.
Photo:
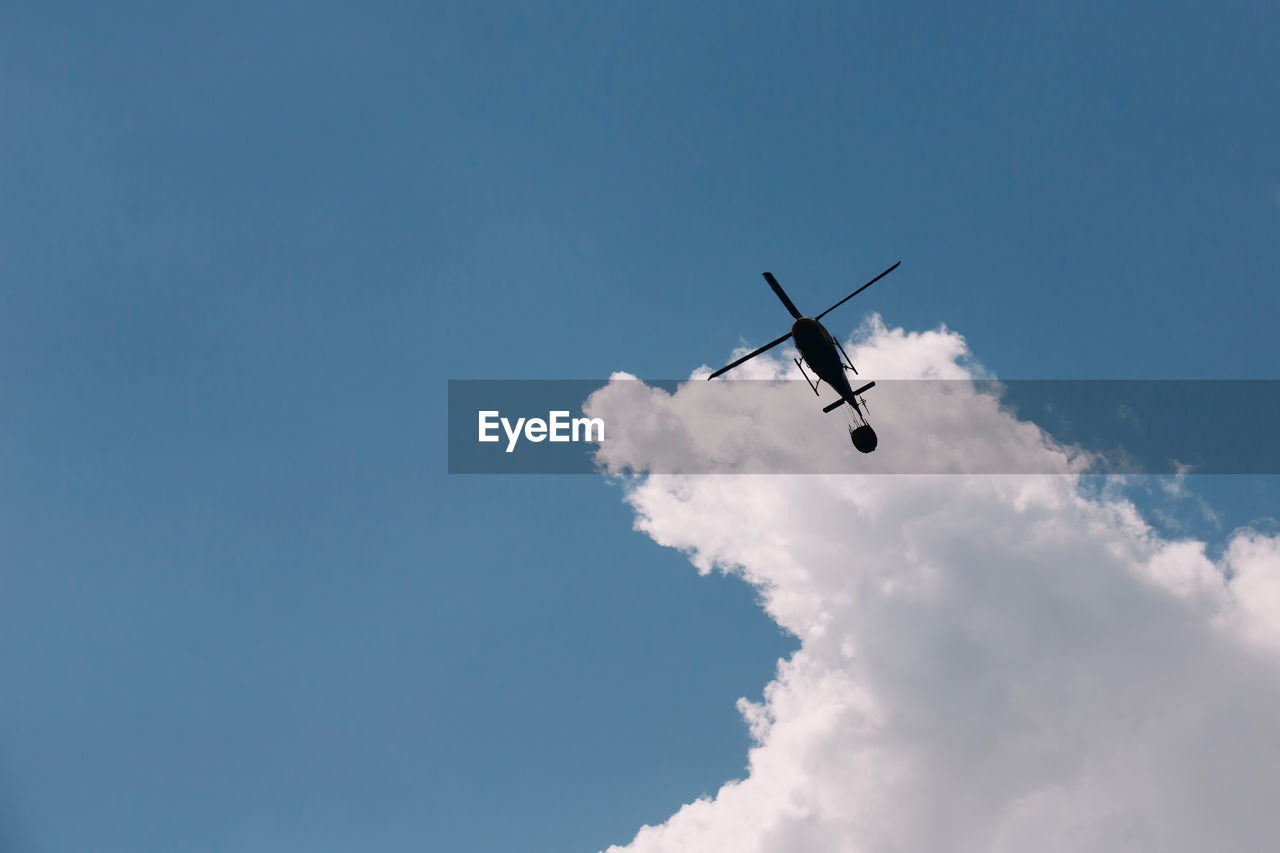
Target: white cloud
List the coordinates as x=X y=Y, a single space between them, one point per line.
x=987 y=663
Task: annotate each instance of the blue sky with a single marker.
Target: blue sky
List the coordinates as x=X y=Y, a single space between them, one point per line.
x=243 y=247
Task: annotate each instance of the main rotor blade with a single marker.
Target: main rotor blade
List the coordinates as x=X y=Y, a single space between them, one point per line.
x=856 y=292
x=749 y=356
x=782 y=294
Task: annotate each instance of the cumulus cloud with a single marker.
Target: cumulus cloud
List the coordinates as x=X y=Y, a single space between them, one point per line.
x=987 y=663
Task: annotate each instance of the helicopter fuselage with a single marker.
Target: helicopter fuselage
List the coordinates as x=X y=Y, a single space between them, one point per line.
x=819 y=352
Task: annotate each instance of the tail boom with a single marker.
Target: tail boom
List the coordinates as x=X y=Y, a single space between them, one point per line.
x=852 y=399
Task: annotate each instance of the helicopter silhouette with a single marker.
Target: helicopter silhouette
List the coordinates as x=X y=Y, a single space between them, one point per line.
x=826 y=358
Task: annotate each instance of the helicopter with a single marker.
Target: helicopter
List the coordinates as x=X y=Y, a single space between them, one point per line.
x=826 y=358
